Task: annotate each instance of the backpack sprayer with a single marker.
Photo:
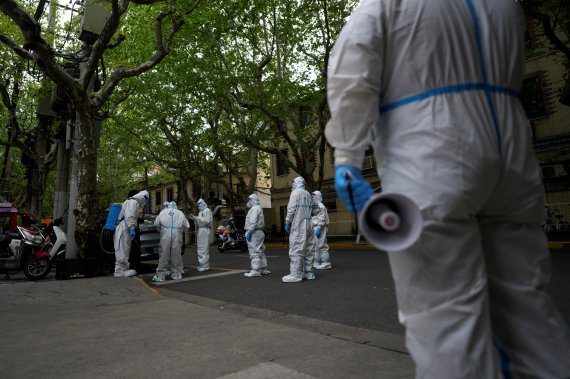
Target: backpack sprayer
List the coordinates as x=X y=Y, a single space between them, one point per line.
x=108 y=232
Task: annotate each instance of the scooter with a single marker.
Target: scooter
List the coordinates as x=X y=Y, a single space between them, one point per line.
x=30 y=251
x=238 y=242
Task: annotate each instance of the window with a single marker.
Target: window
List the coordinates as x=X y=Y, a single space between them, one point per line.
x=535 y=96
x=281 y=163
x=158 y=196
x=170 y=194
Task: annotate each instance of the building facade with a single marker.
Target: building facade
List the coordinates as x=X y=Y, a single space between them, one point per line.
x=546 y=99
x=545 y=96
x=216 y=194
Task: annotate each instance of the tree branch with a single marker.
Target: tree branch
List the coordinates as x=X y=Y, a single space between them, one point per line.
x=162 y=50
x=43 y=53
x=22 y=53
x=545 y=20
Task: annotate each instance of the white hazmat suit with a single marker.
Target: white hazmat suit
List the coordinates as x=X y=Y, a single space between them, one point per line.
x=300 y=209
x=254 y=224
x=320 y=226
x=433 y=85
x=125 y=232
x=172 y=225
x=203 y=227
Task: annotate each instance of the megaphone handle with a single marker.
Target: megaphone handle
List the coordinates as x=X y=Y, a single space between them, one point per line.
x=348 y=177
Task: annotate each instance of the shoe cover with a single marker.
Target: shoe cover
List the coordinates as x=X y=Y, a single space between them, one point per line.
x=119 y=273
x=176 y=277
x=265 y=271
x=292 y=278
x=130 y=272
x=309 y=275
x=251 y=274
x=202 y=269
x=157 y=279
x=323 y=266
x=124 y=273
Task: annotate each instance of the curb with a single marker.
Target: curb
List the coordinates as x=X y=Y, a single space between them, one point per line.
x=559 y=245
x=552 y=245
x=334 y=245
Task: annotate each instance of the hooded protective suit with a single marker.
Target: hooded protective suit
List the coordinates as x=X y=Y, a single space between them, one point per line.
x=124 y=232
x=254 y=224
x=172 y=224
x=320 y=226
x=300 y=209
x=204 y=228
x=433 y=85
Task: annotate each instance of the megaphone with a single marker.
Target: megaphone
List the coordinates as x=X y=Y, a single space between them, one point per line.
x=391 y=222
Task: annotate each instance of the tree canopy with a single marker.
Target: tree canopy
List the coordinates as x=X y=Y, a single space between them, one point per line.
x=177 y=88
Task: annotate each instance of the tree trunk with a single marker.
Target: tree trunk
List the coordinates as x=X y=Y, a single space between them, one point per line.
x=86 y=154
x=5 y=177
x=252 y=170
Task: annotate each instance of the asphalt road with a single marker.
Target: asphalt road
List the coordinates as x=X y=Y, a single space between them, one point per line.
x=358 y=290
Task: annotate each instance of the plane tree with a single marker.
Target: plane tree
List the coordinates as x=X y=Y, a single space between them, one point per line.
x=268 y=60
x=162 y=19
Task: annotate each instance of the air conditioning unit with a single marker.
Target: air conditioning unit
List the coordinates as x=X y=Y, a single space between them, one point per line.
x=95 y=16
x=212 y=195
x=553 y=171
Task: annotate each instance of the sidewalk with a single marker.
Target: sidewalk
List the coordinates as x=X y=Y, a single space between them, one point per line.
x=120 y=327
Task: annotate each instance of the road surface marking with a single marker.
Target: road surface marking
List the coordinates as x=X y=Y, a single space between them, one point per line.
x=199 y=277
x=142 y=283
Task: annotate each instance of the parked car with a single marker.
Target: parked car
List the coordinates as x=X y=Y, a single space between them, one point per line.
x=150 y=239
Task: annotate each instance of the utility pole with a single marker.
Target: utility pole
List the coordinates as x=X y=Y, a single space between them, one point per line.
x=61 y=198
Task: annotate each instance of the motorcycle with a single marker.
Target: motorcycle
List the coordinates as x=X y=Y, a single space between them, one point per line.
x=30 y=251
x=237 y=242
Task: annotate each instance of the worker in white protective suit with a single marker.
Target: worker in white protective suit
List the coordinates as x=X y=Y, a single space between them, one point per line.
x=320 y=226
x=172 y=225
x=254 y=235
x=203 y=223
x=432 y=86
x=125 y=232
x=300 y=209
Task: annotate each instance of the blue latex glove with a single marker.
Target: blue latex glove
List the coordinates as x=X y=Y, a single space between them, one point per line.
x=287 y=228
x=318 y=232
x=361 y=189
x=133 y=234
x=248 y=236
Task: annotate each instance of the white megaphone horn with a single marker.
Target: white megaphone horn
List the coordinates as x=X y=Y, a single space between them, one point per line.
x=391 y=222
